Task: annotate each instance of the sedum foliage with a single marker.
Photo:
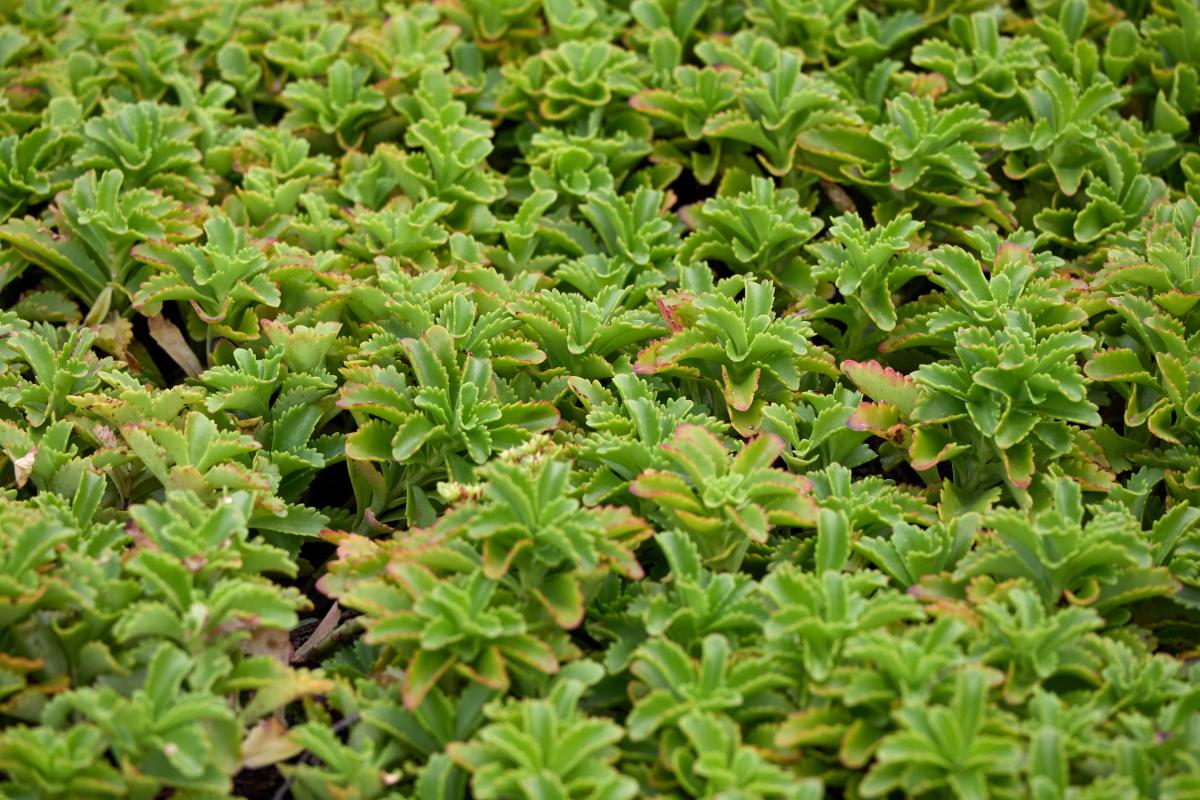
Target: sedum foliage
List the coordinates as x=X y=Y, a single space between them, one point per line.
x=599 y=399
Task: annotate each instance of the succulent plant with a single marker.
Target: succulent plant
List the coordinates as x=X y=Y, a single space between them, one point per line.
x=587 y=399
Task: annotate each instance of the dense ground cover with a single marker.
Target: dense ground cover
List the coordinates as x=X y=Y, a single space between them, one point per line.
x=598 y=400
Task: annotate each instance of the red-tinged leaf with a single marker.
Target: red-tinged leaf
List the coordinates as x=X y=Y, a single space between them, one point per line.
x=534 y=417
x=746 y=423
x=759 y=453
x=409 y=437
x=777 y=484
x=424 y=671
x=818 y=361
x=351 y=546
x=874 y=417
x=668 y=308
x=1134 y=585
x=1086 y=595
x=371 y=442
x=740 y=393
x=751 y=521
x=667 y=489
x=1160 y=420
x=488 y=670
x=650 y=713
x=392 y=629
x=211 y=319
x=700 y=524
x=19 y=665
x=883 y=385
x=811 y=727
x=563 y=598
x=833 y=540
x=1091 y=475
x=930 y=447
x=1018 y=464
x=666 y=352
x=383 y=401
x=1177 y=302
x=801 y=513
x=1117 y=364
x=143 y=619
x=1141 y=273
x=859 y=743
x=1174 y=378
x=647 y=362
x=279 y=687
x=513 y=352
x=697 y=452
x=625 y=562
x=531 y=652
x=498 y=556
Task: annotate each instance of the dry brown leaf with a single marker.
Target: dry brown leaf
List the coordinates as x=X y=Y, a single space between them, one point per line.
x=167 y=335
x=268 y=742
